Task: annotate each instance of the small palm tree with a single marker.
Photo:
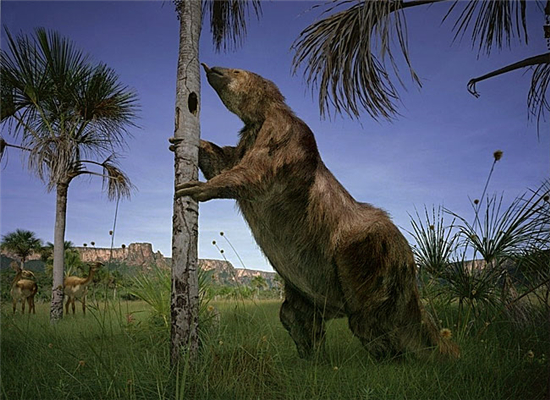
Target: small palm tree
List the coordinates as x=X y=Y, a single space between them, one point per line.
x=72 y=263
x=69 y=115
x=22 y=243
x=259 y=283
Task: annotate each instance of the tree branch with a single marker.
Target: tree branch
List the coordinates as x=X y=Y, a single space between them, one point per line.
x=419 y=3
x=94 y=173
x=4 y=144
x=92 y=162
x=540 y=59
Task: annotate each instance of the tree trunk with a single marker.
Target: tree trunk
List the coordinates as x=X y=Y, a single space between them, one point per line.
x=185 y=286
x=56 y=309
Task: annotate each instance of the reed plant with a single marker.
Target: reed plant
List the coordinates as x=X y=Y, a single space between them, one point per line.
x=483 y=265
x=435 y=241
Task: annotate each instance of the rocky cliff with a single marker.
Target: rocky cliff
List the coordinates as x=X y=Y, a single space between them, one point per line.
x=134 y=255
x=142 y=256
x=224 y=273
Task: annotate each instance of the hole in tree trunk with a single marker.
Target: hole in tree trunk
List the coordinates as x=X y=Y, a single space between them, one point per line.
x=193 y=103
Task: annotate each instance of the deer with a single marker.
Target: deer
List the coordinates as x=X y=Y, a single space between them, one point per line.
x=76 y=287
x=22 y=288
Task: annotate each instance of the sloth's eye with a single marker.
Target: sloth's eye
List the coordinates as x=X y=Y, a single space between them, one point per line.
x=236 y=72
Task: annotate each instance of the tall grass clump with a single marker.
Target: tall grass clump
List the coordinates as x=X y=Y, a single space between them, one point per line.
x=435 y=241
x=502 y=237
x=491 y=265
x=154 y=288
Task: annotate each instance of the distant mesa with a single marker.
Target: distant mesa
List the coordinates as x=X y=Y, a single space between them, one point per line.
x=134 y=255
x=141 y=256
x=224 y=273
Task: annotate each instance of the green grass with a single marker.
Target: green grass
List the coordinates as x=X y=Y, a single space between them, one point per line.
x=249 y=355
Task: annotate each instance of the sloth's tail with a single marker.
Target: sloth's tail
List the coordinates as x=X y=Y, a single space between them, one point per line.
x=440 y=338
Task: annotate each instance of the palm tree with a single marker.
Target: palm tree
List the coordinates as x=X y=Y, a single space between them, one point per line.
x=346 y=54
x=46 y=252
x=67 y=114
x=228 y=26
x=21 y=243
x=258 y=283
x=71 y=264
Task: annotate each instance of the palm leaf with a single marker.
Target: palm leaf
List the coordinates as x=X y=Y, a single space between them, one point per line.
x=22 y=72
x=344 y=55
x=228 y=20
x=493 y=23
x=115 y=180
x=537 y=103
x=102 y=98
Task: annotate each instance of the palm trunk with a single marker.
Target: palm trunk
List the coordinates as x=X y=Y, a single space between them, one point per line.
x=185 y=286
x=56 y=309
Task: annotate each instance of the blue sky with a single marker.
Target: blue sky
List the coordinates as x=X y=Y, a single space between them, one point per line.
x=438 y=152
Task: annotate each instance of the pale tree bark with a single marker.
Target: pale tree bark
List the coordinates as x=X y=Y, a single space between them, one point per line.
x=56 y=309
x=185 y=287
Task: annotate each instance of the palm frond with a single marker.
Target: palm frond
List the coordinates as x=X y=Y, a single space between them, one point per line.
x=115 y=180
x=154 y=288
x=66 y=67
x=228 y=20
x=492 y=23
x=48 y=159
x=23 y=75
x=344 y=56
x=537 y=102
x=110 y=106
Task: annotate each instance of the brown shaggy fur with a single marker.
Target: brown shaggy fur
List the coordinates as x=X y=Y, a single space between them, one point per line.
x=338 y=257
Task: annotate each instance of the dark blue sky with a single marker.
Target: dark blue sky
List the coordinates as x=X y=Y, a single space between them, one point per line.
x=438 y=152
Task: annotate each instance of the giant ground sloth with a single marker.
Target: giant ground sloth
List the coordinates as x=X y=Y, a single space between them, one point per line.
x=338 y=257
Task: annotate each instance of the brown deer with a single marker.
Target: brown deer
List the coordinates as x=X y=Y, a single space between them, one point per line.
x=23 y=289
x=76 y=288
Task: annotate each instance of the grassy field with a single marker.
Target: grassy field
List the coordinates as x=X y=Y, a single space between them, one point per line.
x=118 y=352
